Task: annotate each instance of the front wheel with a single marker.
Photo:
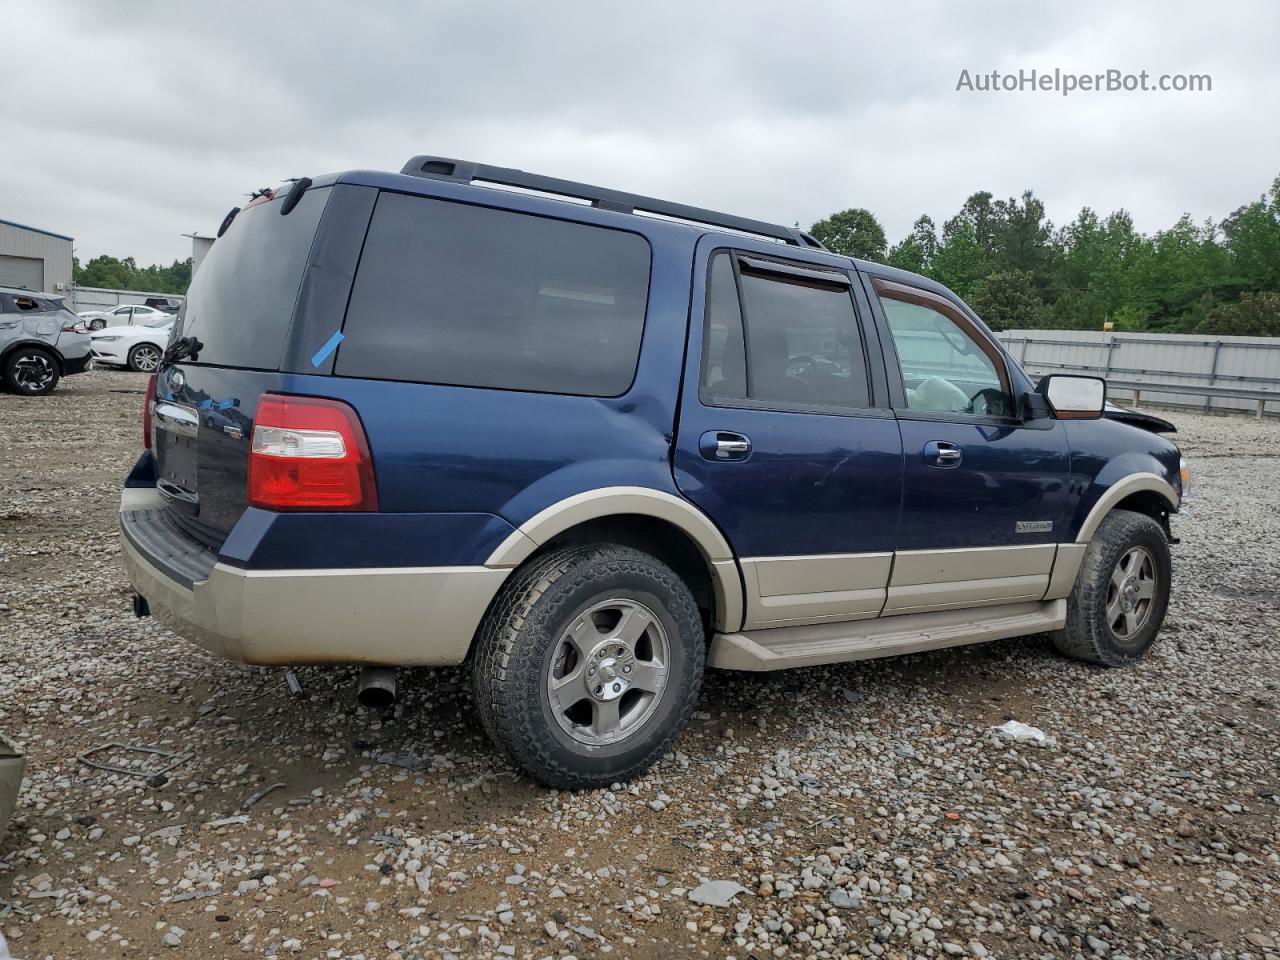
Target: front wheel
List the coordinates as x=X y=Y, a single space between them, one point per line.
x=589 y=664
x=98 y=324
x=1121 y=593
x=144 y=358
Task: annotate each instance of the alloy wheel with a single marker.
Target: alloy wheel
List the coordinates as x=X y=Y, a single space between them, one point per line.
x=1131 y=593
x=146 y=358
x=607 y=672
x=34 y=372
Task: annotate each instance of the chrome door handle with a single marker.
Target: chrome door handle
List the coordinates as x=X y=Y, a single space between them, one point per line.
x=942 y=453
x=723 y=445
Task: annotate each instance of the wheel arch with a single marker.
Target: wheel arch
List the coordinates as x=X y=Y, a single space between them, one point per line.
x=39 y=344
x=1140 y=492
x=660 y=523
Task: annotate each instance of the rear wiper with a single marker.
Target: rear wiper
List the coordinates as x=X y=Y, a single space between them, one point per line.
x=184 y=348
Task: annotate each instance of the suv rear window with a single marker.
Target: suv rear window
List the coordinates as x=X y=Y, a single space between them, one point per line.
x=241 y=299
x=465 y=295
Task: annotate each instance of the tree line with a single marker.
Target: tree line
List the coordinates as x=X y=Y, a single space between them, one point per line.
x=1018 y=270
x=125 y=274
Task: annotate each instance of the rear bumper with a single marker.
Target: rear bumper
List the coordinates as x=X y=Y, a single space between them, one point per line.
x=408 y=616
x=72 y=365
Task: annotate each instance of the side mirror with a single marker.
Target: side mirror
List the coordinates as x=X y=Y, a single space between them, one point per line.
x=1074 y=398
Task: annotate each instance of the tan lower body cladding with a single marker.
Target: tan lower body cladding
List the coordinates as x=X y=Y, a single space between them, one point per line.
x=793 y=591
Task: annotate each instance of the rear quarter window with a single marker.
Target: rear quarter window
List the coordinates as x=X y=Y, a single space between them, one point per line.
x=457 y=294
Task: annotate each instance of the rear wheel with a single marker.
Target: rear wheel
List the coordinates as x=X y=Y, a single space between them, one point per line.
x=1121 y=594
x=31 y=371
x=589 y=665
x=144 y=358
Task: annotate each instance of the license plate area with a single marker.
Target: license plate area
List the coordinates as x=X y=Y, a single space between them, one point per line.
x=177 y=429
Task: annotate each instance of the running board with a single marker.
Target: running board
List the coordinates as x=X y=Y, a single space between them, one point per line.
x=805 y=646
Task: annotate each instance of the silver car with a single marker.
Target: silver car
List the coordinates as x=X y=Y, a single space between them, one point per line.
x=39 y=343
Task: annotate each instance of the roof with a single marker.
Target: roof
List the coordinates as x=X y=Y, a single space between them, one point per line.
x=24 y=292
x=47 y=233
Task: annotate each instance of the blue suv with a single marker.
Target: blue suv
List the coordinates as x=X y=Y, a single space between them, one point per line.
x=588 y=443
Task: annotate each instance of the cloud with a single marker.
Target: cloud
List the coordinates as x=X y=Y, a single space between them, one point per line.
x=138 y=122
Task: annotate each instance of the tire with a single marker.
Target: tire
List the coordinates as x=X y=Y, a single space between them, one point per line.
x=569 y=619
x=98 y=324
x=1121 y=594
x=144 y=358
x=31 y=371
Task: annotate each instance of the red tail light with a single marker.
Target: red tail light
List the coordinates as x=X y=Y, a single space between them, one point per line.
x=148 y=404
x=307 y=453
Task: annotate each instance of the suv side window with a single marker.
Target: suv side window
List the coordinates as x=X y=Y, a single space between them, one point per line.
x=453 y=293
x=781 y=335
x=947 y=365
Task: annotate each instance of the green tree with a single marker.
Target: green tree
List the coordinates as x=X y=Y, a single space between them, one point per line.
x=105 y=271
x=1007 y=300
x=853 y=233
x=917 y=251
x=960 y=261
x=1008 y=259
x=1252 y=237
x=1253 y=315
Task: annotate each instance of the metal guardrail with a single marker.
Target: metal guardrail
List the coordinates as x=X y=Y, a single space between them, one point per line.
x=1225 y=373
x=1192 y=390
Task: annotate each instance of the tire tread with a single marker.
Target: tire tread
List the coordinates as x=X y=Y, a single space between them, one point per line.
x=1084 y=638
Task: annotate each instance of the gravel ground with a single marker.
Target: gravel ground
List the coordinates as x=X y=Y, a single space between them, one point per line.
x=860 y=810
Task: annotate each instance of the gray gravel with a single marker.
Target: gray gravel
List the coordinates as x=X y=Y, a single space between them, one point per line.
x=862 y=810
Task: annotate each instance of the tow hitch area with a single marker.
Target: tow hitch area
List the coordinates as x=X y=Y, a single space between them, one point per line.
x=140 y=606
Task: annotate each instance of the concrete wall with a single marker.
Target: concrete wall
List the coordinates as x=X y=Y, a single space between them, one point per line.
x=25 y=244
x=1251 y=363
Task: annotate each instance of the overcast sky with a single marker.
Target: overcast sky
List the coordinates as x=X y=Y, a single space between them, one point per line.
x=128 y=123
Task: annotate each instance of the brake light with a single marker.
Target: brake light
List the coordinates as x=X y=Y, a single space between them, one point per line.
x=148 y=405
x=308 y=453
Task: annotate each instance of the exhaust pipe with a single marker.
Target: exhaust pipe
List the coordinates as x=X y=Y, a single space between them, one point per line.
x=377 y=687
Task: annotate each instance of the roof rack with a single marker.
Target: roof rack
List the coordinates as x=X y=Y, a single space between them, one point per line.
x=466 y=171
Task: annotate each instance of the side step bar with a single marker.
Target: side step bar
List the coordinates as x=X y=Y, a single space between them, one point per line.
x=780 y=648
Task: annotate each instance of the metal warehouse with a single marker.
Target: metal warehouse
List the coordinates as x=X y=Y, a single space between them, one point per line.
x=34 y=258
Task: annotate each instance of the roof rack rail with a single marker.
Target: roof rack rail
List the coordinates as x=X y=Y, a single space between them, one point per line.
x=466 y=171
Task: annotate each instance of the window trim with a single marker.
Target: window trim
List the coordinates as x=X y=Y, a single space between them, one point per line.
x=794 y=272
x=920 y=297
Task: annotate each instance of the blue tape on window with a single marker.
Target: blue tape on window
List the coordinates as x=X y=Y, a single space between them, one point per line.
x=330 y=345
x=225 y=404
x=205 y=404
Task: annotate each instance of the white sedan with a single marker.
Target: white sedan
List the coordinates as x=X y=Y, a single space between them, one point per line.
x=126 y=315
x=138 y=347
